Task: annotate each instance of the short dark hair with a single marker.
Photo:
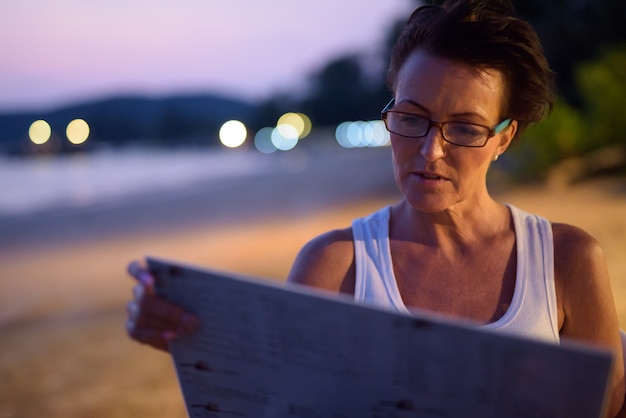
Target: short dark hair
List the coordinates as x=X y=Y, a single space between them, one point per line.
x=485 y=34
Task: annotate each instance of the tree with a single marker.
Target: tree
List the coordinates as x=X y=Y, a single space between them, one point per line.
x=340 y=91
x=573 y=31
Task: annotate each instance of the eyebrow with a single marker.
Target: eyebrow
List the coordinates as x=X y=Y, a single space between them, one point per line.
x=454 y=115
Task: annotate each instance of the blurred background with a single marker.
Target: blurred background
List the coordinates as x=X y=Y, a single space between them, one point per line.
x=227 y=135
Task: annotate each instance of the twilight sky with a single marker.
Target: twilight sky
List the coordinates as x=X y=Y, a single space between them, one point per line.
x=61 y=51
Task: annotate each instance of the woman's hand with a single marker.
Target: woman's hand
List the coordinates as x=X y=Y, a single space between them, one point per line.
x=151 y=319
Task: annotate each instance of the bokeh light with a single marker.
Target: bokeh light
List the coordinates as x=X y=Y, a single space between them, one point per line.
x=284 y=137
x=39 y=132
x=299 y=121
x=233 y=134
x=263 y=140
x=77 y=131
x=362 y=134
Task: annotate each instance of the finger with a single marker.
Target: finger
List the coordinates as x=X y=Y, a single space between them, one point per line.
x=152 y=326
x=154 y=311
x=155 y=338
x=134 y=268
x=132 y=310
x=143 y=276
x=169 y=317
x=145 y=319
x=140 y=292
x=150 y=321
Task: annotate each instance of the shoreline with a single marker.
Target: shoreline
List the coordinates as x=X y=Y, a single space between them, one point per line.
x=302 y=183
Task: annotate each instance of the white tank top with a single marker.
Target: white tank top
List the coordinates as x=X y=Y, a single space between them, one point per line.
x=532 y=312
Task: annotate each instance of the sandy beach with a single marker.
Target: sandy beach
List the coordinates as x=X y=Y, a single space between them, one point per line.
x=64 y=351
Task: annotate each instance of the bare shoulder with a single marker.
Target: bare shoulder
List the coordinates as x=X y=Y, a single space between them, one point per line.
x=583 y=286
x=574 y=249
x=579 y=266
x=326 y=262
x=585 y=297
x=571 y=233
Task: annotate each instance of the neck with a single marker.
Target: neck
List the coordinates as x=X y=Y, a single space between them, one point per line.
x=458 y=227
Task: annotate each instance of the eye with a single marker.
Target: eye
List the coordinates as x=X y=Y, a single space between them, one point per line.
x=466 y=130
x=409 y=119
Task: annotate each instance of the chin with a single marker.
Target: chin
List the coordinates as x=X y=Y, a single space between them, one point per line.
x=429 y=198
x=428 y=204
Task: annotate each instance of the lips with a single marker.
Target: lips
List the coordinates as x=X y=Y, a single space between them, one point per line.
x=428 y=175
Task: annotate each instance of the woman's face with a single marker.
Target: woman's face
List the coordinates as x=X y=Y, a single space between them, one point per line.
x=432 y=174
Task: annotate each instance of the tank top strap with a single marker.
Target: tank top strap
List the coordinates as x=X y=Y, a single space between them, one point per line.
x=533 y=309
x=375 y=281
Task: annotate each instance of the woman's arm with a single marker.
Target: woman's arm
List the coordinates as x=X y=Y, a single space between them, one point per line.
x=586 y=300
x=326 y=262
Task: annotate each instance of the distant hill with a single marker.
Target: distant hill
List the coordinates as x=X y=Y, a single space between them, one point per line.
x=187 y=118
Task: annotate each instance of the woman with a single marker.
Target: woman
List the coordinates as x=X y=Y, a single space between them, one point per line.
x=467 y=78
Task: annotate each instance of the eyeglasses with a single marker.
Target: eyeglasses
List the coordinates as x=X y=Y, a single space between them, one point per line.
x=458 y=133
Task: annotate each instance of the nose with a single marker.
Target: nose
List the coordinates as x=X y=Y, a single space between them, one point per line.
x=433 y=144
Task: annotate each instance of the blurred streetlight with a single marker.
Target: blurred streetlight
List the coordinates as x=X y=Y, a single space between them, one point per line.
x=77 y=131
x=233 y=134
x=39 y=132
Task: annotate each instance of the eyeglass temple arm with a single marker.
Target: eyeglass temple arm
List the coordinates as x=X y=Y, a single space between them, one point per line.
x=388 y=106
x=499 y=127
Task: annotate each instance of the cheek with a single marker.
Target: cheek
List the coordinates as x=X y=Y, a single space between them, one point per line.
x=473 y=168
x=404 y=150
x=401 y=158
x=395 y=163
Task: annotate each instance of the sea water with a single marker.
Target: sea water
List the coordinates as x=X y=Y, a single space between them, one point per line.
x=42 y=182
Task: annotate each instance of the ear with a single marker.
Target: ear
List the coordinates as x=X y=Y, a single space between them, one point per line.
x=506 y=137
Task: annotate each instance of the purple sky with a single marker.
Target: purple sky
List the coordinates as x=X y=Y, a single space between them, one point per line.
x=61 y=51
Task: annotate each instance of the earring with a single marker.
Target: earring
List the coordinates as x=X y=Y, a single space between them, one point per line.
x=495 y=157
